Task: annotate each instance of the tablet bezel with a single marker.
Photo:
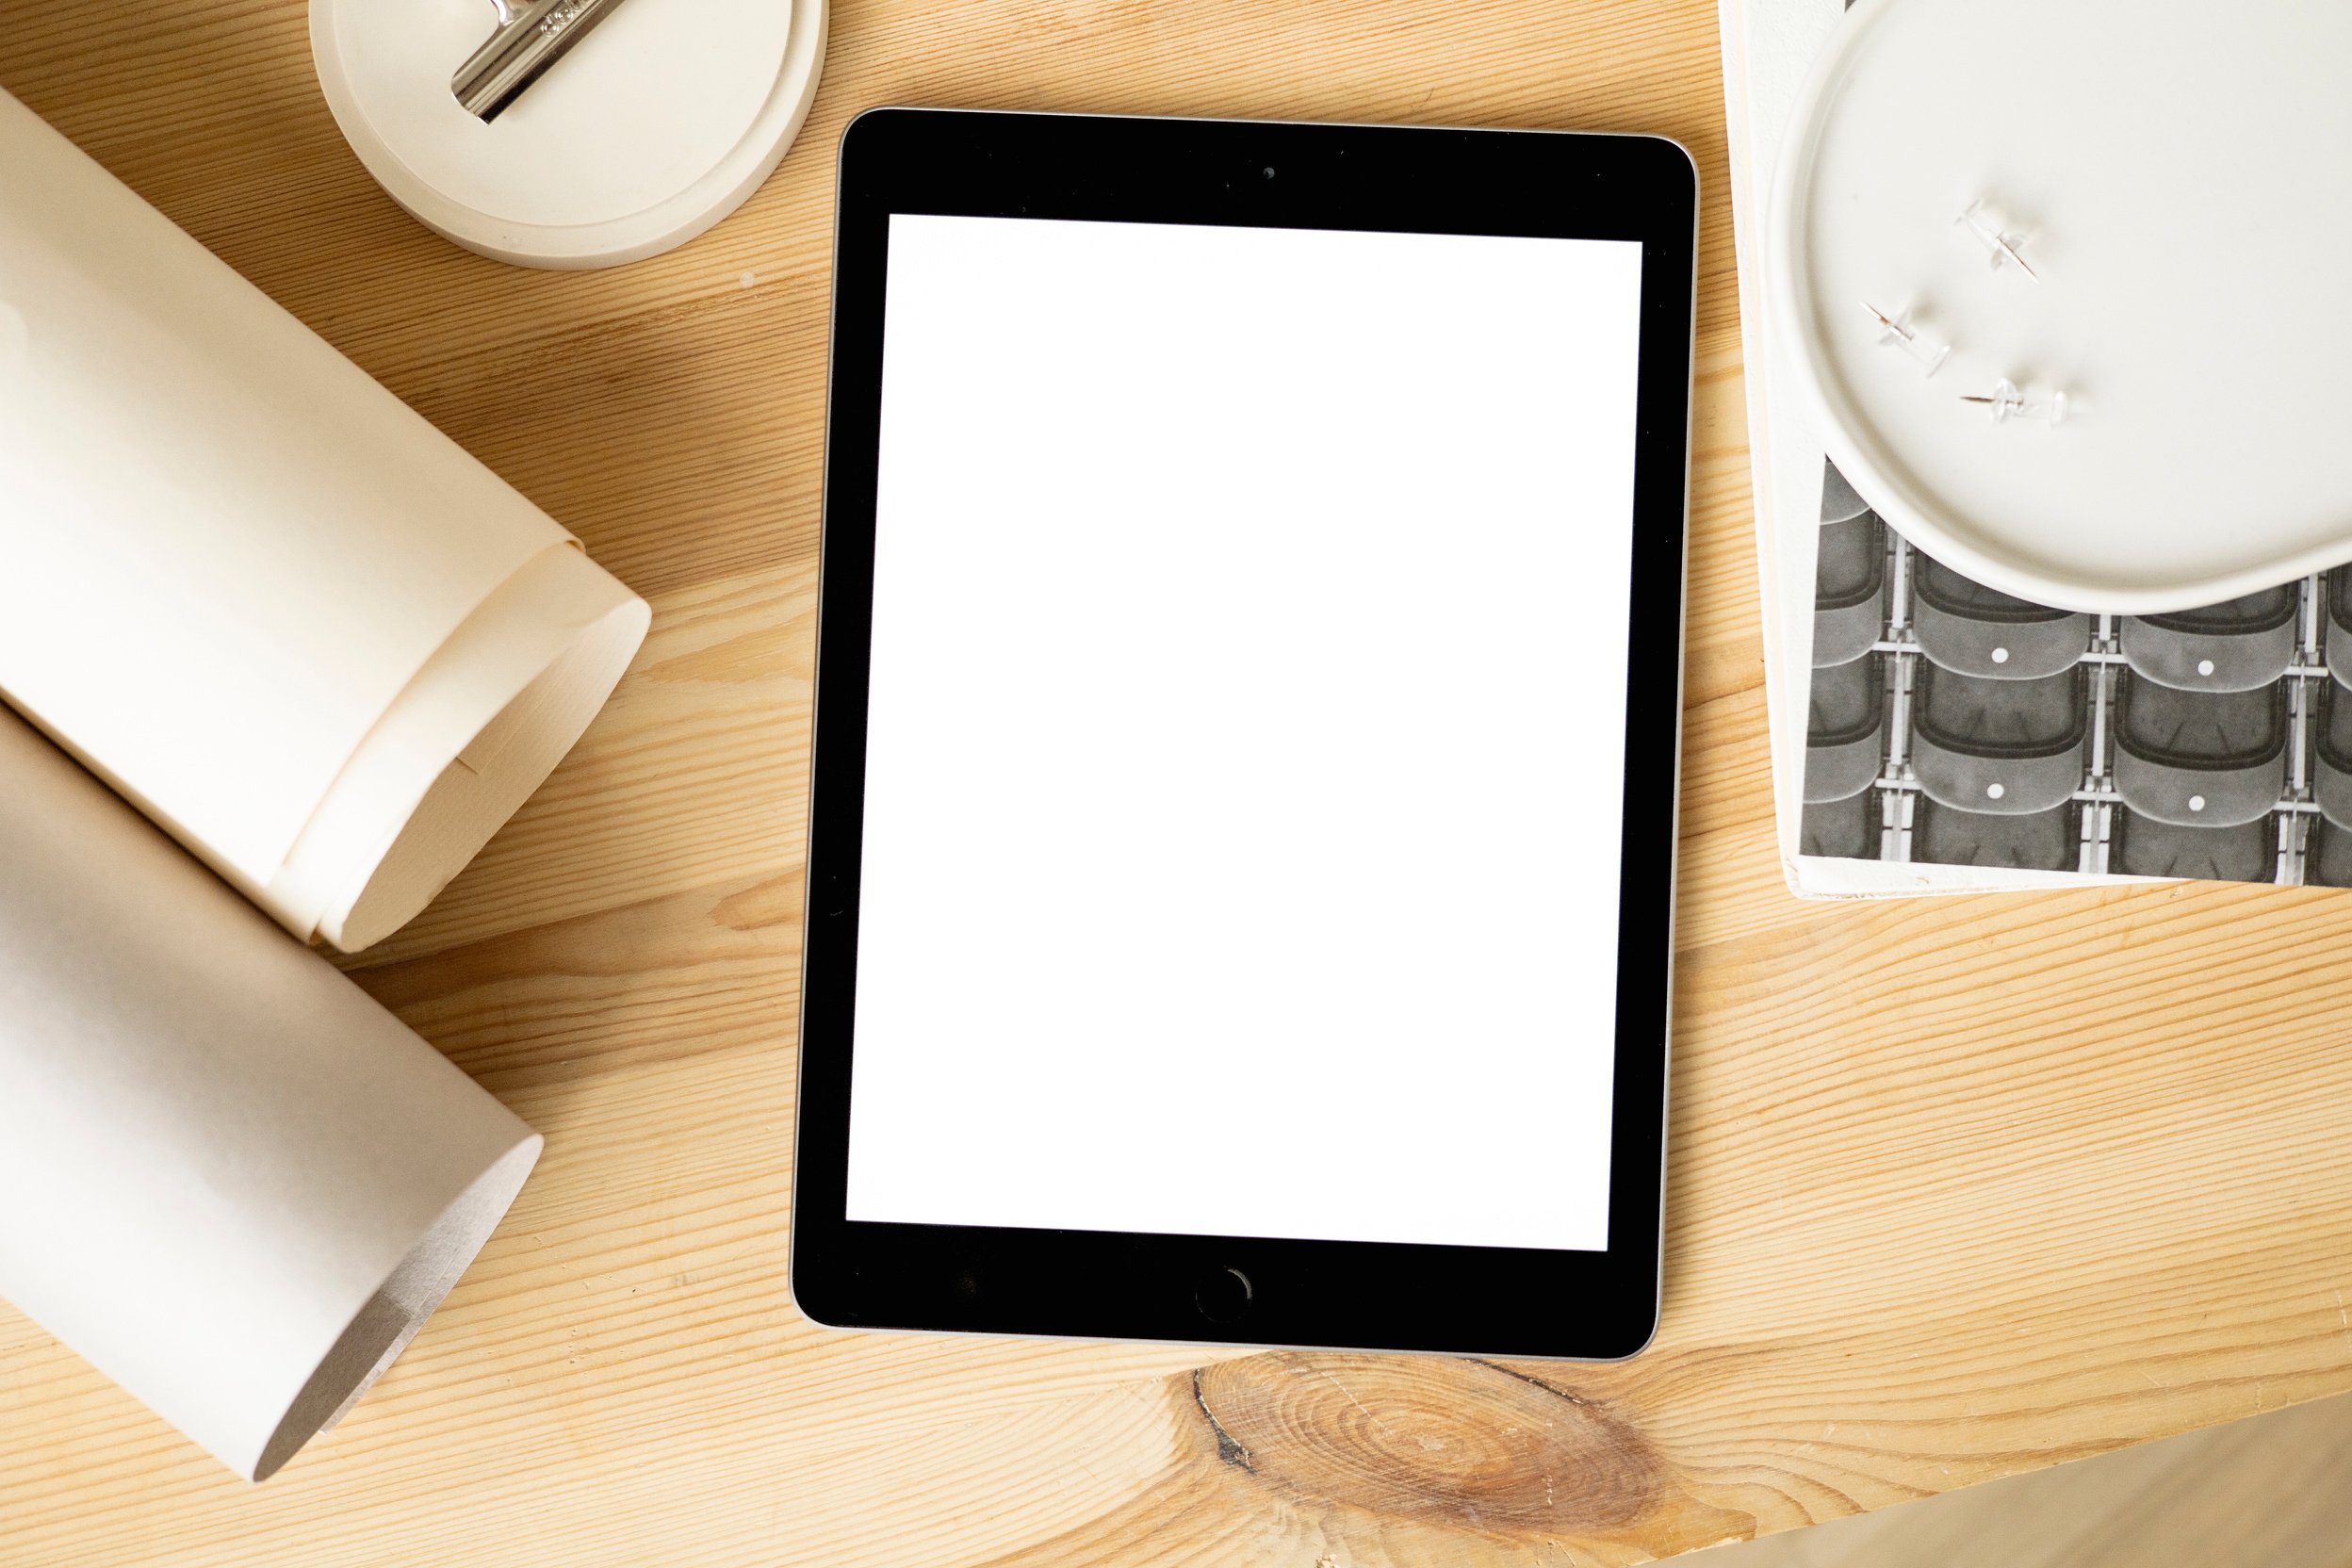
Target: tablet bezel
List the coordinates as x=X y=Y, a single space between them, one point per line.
x=1585 y=1305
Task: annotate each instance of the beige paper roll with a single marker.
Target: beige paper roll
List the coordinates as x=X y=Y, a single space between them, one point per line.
x=299 y=628
x=233 y=1181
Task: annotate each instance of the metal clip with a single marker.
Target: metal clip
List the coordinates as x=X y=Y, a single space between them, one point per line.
x=532 y=36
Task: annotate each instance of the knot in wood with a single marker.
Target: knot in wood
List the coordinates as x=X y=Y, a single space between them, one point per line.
x=1439 y=1439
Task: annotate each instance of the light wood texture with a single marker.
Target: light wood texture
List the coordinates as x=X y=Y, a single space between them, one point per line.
x=1956 y=1189
x=2268 y=1491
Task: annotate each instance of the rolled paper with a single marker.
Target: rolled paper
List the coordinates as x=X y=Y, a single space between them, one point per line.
x=234 y=1183
x=295 y=624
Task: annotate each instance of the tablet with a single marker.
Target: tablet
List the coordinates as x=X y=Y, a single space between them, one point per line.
x=1241 y=828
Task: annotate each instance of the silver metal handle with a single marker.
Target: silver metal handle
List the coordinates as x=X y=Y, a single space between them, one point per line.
x=532 y=36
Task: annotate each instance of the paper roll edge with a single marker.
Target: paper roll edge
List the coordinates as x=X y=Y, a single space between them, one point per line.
x=470 y=738
x=390 y=1317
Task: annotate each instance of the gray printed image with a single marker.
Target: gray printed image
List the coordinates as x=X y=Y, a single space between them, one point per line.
x=1952 y=723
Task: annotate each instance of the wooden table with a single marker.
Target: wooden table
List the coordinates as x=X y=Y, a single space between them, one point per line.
x=1956 y=1188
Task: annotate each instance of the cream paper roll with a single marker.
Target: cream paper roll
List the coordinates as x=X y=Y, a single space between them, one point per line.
x=234 y=1183
x=298 y=627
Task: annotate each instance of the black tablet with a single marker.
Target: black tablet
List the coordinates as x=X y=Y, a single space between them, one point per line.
x=1241 y=853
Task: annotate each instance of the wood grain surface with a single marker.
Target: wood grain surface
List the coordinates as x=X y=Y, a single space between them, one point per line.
x=1956 y=1188
x=2266 y=1490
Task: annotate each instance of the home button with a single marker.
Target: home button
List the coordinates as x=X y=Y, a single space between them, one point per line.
x=1223 y=1295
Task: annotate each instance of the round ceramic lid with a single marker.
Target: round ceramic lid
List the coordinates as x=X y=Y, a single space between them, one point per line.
x=2139 y=206
x=658 y=123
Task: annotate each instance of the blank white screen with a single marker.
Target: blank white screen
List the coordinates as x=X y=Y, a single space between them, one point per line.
x=1246 y=732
